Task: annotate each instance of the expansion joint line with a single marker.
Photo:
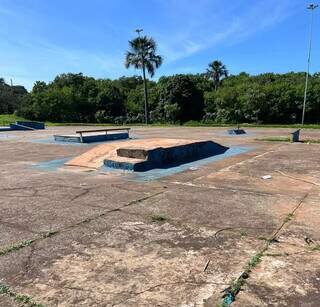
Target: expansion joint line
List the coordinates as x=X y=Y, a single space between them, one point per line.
x=232 y=291
x=24 y=243
x=27 y=301
x=298 y=179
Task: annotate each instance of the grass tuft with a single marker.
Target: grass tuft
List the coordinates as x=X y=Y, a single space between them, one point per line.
x=159 y=217
x=49 y=234
x=243 y=234
x=316 y=248
x=274 y=139
x=286 y=139
x=24 y=243
x=15 y=247
x=288 y=218
x=24 y=300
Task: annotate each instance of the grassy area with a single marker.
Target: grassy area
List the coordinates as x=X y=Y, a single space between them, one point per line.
x=6 y=119
x=246 y=125
x=286 y=139
x=275 y=139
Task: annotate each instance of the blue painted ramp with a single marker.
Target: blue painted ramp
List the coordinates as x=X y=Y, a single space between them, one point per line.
x=91 y=138
x=141 y=160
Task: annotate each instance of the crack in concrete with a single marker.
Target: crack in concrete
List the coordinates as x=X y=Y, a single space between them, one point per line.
x=211 y=187
x=42 y=236
x=135 y=294
x=232 y=291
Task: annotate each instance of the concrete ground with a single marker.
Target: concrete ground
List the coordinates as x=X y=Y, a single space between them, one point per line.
x=73 y=237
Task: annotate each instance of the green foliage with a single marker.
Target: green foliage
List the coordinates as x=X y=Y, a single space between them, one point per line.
x=11 y=97
x=275 y=139
x=216 y=71
x=179 y=99
x=288 y=218
x=142 y=54
x=15 y=247
x=23 y=300
x=19 y=245
x=6 y=119
x=265 y=99
x=159 y=217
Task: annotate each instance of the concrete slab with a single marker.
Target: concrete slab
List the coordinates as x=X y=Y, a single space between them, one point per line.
x=236 y=131
x=289 y=274
x=178 y=240
x=157 y=150
x=91 y=138
x=232 y=211
x=131 y=262
x=5 y=129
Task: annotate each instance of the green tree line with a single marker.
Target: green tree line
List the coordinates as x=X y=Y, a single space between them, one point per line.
x=11 y=97
x=266 y=98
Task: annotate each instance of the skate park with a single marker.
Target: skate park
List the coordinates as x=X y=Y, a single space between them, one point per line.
x=80 y=232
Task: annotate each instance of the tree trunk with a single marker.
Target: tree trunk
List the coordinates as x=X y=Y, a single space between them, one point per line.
x=146 y=111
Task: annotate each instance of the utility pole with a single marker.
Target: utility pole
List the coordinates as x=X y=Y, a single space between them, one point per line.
x=311 y=7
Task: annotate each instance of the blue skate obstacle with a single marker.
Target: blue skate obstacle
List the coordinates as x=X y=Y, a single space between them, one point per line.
x=23 y=125
x=295 y=136
x=236 y=131
x=144 y=158
x=91 y=136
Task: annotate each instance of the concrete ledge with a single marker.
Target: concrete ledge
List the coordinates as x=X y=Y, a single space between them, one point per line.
x=295 y=136
x=33 y=125
x=20 y=127
x=91 y=138
x=142 y=159
x=5 y=129
x=236 y=131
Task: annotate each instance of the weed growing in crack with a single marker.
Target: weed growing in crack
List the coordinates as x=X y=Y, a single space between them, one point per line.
x=4 y=289
x=316 y=248
x=17 y=246
x=254 y=261
x=49 y=234
x=159 y=217
x=243 y=234
x=262 y=238
x=25 y=243
x=288 y=218
x=232 y=291
x=24 y=300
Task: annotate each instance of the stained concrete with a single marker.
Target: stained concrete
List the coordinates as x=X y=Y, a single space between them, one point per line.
x=111 y=248
x=159 y=150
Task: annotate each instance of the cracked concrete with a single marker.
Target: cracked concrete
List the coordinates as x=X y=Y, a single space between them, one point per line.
x=109 y=251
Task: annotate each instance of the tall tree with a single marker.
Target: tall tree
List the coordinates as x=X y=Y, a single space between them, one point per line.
x=216 y=71
x=142 y=55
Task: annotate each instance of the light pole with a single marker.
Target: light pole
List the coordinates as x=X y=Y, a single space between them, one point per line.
x=311 y=7
x=138 y=31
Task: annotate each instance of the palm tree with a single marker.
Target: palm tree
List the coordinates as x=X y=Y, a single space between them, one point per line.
x=142 y=55
x=216 y=71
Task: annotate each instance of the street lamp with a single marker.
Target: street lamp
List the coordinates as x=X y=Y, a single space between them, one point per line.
x=311 y=7
x=138 y=31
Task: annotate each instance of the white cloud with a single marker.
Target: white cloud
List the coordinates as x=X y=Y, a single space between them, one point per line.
x=217 y=25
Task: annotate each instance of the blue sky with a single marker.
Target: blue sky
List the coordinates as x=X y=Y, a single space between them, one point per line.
x=42 y=38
